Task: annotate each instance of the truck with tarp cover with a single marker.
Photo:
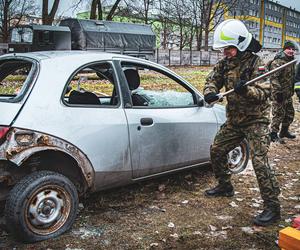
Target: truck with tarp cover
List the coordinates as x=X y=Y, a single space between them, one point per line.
x=124 y=38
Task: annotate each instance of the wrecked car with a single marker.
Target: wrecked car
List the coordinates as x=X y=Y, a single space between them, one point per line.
x=73 y=123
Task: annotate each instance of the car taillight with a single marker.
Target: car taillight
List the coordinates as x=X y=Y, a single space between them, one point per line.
x=3 y=132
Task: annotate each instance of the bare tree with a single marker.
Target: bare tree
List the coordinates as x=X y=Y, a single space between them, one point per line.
x=177 y=13
x=212 y=13
x=141 y=9
x=48 y=17
x=97 y=6
x=11 y=13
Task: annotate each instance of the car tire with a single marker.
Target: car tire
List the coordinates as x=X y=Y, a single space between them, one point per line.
x=238 y=158
x=42 y=205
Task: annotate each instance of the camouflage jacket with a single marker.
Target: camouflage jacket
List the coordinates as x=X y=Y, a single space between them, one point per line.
x=253 y=106
x=282 y=81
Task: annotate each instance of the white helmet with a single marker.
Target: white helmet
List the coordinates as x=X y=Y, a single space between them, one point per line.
x=232 y=32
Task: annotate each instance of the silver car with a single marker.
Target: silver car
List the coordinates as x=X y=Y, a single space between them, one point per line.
x=73 y=123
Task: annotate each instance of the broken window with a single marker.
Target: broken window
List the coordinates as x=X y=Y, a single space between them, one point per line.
x=154 y=88
x=16 y=77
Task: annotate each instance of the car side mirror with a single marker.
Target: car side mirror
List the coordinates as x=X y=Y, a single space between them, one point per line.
x=200 y=101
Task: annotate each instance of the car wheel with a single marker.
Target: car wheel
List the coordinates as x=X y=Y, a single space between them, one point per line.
x=42 y=205
x=238 y=158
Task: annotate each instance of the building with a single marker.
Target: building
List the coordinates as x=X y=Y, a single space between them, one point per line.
x=269 y=22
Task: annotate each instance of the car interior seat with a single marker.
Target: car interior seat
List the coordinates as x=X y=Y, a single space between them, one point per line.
x=83 y=97
x=133 y=80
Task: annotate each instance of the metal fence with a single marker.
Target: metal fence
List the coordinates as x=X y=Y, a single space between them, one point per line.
x=195 y=57
x=186 y=57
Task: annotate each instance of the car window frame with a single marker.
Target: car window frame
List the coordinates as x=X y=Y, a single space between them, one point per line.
x=28 y=83
x=166 y=73
x=115 y=78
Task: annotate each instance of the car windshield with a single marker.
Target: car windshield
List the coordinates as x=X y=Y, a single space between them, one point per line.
x=16 y=76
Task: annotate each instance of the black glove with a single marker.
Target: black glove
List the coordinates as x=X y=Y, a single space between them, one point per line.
x=240 y=88
x=279 y=97
x=211 y=97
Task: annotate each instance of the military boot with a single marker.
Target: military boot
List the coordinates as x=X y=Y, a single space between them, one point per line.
x=221 y=190
x=267 y=217
x=274 y=136
x=285 y=133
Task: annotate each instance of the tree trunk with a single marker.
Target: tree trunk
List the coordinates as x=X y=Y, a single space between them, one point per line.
x=5 y=26
x=93 y=9
x=146 y=9
x=100 y=13
x=113 y=10
x=191 y=37
x=164 y=34
x=206 y=34
x=48 y=18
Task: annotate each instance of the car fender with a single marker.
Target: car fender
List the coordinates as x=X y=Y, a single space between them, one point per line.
x=22 y=144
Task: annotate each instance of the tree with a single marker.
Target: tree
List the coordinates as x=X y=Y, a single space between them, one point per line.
x=48 y=17
x=140 y=8
x=11 y=13
x=97 y=6
x=212 y=13
x=177 y=12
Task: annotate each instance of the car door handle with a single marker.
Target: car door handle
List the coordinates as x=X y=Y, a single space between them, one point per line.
x=146 y=121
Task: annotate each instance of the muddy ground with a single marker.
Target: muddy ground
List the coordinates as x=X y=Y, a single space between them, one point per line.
x=171 y=212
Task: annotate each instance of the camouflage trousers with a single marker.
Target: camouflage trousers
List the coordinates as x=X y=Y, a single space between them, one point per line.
x=257 y=135
x=282 y=114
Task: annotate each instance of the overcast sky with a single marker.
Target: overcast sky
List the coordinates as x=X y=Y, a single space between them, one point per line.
x=65 y=6
x=290 y=3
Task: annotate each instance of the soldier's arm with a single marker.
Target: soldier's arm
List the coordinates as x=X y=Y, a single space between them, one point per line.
x=259 y=91
x=214 y=81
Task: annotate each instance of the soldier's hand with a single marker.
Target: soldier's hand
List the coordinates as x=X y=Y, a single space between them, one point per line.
x=211 y=97
x=279 y=97
x=240 y=88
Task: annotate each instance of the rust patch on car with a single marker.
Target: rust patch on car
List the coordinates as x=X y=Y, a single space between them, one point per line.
x=21 y=144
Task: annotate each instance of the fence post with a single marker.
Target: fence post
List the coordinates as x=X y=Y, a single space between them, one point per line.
x=157 y=55
x=191 y=57
x=169 y=57
x=209 y=55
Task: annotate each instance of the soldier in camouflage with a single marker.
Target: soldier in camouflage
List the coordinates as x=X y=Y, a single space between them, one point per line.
x=282 y=90
x=247 y=113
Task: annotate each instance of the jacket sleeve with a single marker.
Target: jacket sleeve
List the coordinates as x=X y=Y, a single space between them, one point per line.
x=276 y=85
x=215 y=80
x=260 y=91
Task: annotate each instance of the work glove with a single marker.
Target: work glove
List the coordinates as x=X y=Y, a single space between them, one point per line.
x=240 y=88
x=211 y=97
x=279 y=97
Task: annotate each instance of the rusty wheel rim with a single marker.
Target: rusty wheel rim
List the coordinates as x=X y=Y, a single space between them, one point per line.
x=48 y=209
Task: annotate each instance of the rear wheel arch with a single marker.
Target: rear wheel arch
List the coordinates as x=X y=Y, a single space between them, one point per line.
x=60 y=162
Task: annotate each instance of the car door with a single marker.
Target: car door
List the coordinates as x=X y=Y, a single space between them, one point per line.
x=167 y=129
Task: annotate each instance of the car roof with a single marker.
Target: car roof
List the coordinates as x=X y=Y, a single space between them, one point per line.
x=71 y=54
